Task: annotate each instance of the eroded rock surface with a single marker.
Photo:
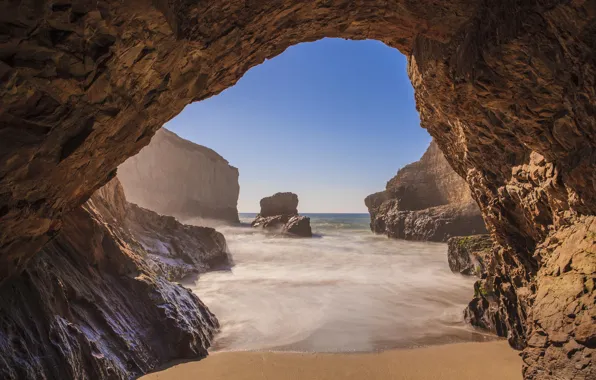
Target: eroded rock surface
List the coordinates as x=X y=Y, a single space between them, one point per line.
x=177 y=177
x=94 y=304
x=468 y=254
x=506 y=89
x=426 y=200
x=280 y=212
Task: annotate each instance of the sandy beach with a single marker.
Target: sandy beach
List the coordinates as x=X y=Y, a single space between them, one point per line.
x=463 y=361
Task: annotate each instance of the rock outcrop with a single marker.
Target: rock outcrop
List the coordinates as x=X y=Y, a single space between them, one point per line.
x=96 y=303
x=468 y=254
x=280 y=212
x=506 y=89
x=177 y=177
x=426 y=200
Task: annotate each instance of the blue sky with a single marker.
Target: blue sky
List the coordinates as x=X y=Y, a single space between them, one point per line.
x=330 y=120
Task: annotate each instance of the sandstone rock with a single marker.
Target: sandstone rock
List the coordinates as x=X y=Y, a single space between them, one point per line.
x=279 y=204
x=426 y=200
x=280 y=212
x=298 y=226
x=92 y=306
x=468 y=254
x=177 y=177
x=504 y=87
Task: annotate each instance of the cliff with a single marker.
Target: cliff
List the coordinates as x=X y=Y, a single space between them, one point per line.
x=97 y=301
x=426 y=200
x=174 y=176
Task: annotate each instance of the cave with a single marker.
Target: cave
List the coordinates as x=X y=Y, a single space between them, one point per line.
x=506 y=89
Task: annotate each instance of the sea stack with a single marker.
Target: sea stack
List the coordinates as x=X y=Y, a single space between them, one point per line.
x=426 y=200
x=280 y=211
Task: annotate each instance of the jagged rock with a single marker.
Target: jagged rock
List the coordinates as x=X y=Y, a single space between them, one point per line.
x=172 y=244
x=279 y=204
x=298 y=226
x=426 y=200
x=504 y=87
x=92 y=306
x=468 y=254
x=270 y=222
x=280 y=212
x=177 y=177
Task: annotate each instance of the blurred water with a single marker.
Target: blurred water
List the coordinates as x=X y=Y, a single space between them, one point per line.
x=346 y=290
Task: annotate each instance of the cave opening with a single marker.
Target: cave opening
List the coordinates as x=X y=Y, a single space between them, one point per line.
x=330 y=121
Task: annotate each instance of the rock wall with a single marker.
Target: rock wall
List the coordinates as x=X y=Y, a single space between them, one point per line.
x=94 y=304
x=506 y=89
x=177 y=177
x=426 y=200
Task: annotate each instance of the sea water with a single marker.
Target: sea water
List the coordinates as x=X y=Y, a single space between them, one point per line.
x=344 y=290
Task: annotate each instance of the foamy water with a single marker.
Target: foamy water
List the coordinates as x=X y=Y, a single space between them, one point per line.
x=347 y=290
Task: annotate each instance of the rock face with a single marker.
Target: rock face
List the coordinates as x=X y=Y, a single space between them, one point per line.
x=173 y=176
x=280 y=211
x=426 y=200
x=279 y=204
x=506 y=89
x=468 y=254
x=94 y=305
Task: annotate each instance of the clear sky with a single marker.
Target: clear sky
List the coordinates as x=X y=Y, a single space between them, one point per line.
x=331 y=121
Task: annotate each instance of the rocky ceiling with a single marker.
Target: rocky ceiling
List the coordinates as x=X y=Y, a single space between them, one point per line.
x=506 y=88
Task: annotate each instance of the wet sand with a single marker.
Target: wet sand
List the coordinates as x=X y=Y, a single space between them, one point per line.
x=461 y=361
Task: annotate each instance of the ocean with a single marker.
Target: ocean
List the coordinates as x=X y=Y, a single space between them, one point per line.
x=344 y=290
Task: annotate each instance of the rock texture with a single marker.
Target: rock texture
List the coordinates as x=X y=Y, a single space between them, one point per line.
x=94 y=305
x=426 y=200
x=173 y=176
x=280 y=212
x=506 y=89
x=468 y=254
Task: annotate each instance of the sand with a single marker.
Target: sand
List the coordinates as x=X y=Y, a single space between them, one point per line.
x=462 y=361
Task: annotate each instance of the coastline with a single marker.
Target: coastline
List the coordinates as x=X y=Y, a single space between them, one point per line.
x=458 y=361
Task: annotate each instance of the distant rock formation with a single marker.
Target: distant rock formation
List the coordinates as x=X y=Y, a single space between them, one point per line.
x=99 y=297
x=174 y=176
x=426 y=200
x=280 y=211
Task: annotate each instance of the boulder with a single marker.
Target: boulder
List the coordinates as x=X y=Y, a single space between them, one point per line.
x=298 y=226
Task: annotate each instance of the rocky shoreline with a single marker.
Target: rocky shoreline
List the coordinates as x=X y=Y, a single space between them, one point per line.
x=426 y=201
x=99 y=303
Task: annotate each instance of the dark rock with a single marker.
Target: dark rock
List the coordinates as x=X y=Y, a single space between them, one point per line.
x=427 y=201
x=298 y=226
x=271 y=222
x=279 y=204
x=287 y=221
x=92 y=305
x=468 y=254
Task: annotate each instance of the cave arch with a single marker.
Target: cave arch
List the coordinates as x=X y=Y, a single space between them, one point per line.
x=505 y=88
